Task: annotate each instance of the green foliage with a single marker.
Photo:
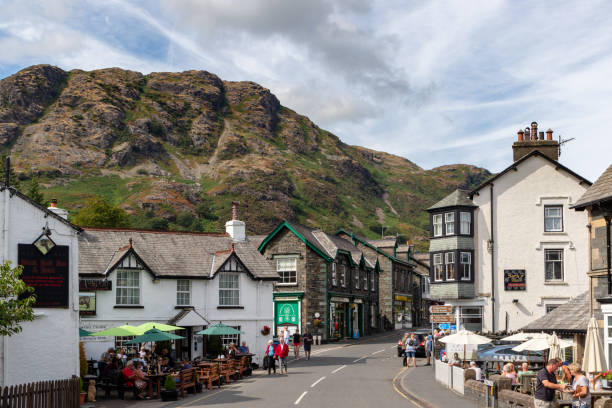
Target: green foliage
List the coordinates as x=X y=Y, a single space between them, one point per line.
x=35 y=194
x=169 y=383
x=82 y=361
x=158 y=223
x=98 y=212
x=185 y=219
x=13 y=179
x=17 y=300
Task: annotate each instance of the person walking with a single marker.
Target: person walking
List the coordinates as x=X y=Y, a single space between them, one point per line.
x=307 y=344
x=402 y=344
x=296 y=344
x=547 y=384
x=282 y=352
x=271 y=357
x=286 y=336
x=411 y=345
x=428 y=349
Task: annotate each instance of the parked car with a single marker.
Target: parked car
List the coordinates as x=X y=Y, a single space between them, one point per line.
x=504 y=353
x=421 y=336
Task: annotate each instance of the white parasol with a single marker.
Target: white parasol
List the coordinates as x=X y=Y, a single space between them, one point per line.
x=465 y=337
x=594 y=360
x=539 y=344
x=522 y=336
x=555 y=347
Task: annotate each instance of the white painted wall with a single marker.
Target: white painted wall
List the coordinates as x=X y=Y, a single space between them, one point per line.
x=48 y=347
x=159 y=301
x=520 y=241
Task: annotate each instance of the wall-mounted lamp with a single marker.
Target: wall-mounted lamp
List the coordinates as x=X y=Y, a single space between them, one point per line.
x=515 y=301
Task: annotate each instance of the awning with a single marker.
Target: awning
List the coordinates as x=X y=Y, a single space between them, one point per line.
x=189 y=317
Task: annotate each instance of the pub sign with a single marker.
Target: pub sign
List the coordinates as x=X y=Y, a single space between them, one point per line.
x=47 y=273
x=514 y=279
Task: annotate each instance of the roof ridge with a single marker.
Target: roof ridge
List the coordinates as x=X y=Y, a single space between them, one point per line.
x=209 y=234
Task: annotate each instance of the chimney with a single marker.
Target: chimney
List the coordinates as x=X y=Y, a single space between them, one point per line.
x=530 y=140
x=58 y=211
x=235 y=228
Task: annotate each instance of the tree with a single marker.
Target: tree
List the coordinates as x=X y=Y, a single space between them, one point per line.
x=98 y=212
x=16 y=300
x=35 y=194
x=13 y=180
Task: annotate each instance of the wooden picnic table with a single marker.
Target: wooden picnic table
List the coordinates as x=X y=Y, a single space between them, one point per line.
x=155 y=379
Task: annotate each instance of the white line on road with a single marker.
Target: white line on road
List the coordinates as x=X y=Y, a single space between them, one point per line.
x=316 y=382
x=338 y=369
x=359 y=359
x=297 y=401
x=379 y=351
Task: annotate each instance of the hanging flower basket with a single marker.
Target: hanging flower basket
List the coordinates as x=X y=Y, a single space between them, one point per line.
x=265 y=331
x=317 y=322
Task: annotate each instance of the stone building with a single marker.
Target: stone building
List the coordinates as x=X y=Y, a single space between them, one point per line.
x=400 y=293
x=326 y=286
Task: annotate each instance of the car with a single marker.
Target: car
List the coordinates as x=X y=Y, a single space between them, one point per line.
x=504 y=353
x=421 y=336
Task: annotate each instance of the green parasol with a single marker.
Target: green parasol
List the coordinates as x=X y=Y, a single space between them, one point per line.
x=154 y=335
x=220 y=329
x=143 y=328
x=124 y=330
x=83 y=332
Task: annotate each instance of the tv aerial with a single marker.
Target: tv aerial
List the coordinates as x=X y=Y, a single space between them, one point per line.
x=563 y=141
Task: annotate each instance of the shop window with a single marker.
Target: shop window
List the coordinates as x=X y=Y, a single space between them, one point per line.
x=438 y=267
x=287 y=269
x=553 y=265
x=121 y=343
x=449 y=220
x=449 y=260
x=183 y=292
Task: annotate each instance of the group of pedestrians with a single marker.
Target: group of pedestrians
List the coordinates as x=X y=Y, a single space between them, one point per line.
x=410 y=343
x=278 y=349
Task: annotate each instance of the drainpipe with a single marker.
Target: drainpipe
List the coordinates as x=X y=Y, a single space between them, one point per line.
x=607 y=217
x=5 y=250
x=492 y=266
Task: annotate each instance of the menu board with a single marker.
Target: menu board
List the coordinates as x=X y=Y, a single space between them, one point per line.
x=514 y=279
x=47 y=274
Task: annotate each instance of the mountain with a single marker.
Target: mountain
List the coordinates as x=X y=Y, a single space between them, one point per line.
x=176 y=148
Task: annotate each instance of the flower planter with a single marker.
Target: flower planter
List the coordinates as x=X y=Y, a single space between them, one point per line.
x=169 y=395
x=82 y=397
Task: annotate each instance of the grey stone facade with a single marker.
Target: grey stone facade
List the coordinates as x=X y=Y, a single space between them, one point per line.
x=452 y=290
x=450 y=243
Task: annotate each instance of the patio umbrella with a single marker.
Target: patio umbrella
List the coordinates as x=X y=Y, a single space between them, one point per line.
x=555 y=347
x=522 y=336
x=594 y=360
x=220 y=329
x=465 y=337
x=83 y=332
x=154 y=325
x=539 y=344
x=154 y=335
x=124 y=330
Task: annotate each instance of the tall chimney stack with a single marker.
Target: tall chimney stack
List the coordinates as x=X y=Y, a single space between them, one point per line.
x=235 y=205
x=527 y=134
x=530 y=139
x=549 y=134
x=534 y=130
x=59 y=211
x=235 y=228
x=521 y=136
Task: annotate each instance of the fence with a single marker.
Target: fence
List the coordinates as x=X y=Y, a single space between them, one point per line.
x=44 y=394
x=450 y=376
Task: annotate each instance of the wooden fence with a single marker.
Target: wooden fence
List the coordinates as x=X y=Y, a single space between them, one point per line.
x=44 y=394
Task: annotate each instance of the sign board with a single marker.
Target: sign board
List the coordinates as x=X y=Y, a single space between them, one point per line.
x=47 y=274
x=441 y=309
x=87 y=304
x=442 y=318
x=447 y=326
x=287 y=312
x=514 y=279
x=401 y=298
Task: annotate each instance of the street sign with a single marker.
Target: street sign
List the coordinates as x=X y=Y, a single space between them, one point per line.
x=446 y=318
x=441 y=309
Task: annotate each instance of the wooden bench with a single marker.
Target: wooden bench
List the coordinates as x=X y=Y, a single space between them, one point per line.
x=209 y=374
x=226 y=372
x=243 y=366
x=113 y=382
x=187 y=380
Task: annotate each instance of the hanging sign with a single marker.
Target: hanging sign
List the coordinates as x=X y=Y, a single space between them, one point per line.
x=514 y=279
x=87 y=304
x=46 y=273
x=287 y=312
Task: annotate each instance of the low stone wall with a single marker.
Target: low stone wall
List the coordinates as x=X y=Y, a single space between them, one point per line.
x=511 y=399
x=475 y=390
x=505 y=397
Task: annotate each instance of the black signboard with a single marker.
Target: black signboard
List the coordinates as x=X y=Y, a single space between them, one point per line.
x=47 y=274
x=514 y=279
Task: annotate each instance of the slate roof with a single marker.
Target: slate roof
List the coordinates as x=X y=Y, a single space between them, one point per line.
x=384 y=243
x=422 y=258
x=600 y=191
x=168 y=254
x=332 y=244
x=570 y=317
x=369 y=243
x=459 y=197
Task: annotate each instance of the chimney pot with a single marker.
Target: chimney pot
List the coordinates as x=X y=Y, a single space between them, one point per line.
x=53 y=203
x=541 y=134
x=549 y=133
x=527 y=133
x=521 y=136
x=235 y=205
x=534 y=130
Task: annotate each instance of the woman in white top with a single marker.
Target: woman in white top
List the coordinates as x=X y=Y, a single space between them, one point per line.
x=581 y=396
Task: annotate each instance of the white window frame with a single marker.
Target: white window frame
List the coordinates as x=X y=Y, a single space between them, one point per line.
x=465 y=221
x=288 y=274
x=449 y=265
x=182 y=292
x=334 y=274
x=226 y=339
x=223 y=290
x=372 y=282
x=123 y=299
x=425 y=283
x=554 y=218
x=437 y=225
x=466 y=265
x=559 y=261
x=438 y=264
x=356 y=278
x=449 y=223
x=365 y=280
x=343 y=275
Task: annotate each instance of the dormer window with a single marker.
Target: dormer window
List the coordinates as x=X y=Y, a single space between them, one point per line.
x=449 y=220
x=437 y=225
x=128 y=282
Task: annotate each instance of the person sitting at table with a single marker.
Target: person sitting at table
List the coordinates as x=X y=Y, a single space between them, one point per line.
x=140 y=380
x=167 y=355
x=508 y=372
x=165 y=365
x=455 y=361
x=186 y=365
x=524 y=370
x=243 y=349
x=477 y=370
x=232 y=351
x=110 y=368
x=567 y=375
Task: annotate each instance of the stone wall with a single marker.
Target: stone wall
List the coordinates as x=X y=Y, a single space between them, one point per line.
x=315 y=293
x=451 y=243
x=452 y=290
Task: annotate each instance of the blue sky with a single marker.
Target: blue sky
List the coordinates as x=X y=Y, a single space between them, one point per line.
x=437 y=82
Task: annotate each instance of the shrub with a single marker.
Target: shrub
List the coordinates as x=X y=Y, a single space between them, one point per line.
x=170 y=384
x=82 y=360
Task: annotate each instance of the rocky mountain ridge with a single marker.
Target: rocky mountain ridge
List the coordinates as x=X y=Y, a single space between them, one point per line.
x=166 y=145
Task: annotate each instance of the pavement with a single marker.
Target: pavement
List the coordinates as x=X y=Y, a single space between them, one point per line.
x=352 y=373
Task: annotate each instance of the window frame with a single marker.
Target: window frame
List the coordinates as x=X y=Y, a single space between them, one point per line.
x=292 y=272
x=451 y=222
x=225 y=274
x=439 y=224
x=554 y=261
x=334 y=275
x=441 y=267
x=343 y=275
x=365 y=280
x=462 y=264
x=468 y=222
x=372 y=282
x=118 y=287
x=356 y=278
x=231 y=338
x=182 y=291
x=451 y=264
x=425 y=289
x=546 y=217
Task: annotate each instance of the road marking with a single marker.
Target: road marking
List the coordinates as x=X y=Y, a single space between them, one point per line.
x=407 y=395
x=297 y=401
x=338 y=369
x=379 y=351
x=359 y=359
x=316 y=382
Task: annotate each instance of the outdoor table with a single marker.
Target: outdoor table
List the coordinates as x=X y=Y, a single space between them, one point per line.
x=598 y=394
x=155 y=378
